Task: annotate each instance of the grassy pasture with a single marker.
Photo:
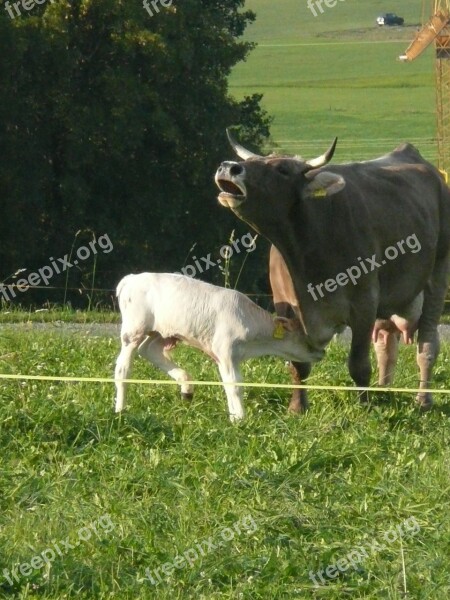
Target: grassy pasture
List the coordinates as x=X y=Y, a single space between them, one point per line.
x=171 y=474
x=337 y=74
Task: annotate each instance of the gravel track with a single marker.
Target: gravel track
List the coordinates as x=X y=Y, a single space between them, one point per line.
x=113 y=329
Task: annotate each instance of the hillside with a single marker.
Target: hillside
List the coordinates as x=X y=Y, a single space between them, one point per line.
x=338 y=74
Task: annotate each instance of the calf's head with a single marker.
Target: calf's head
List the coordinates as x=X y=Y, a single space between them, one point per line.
x=296 y=344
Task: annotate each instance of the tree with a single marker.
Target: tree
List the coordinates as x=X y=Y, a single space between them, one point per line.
x=114 y=121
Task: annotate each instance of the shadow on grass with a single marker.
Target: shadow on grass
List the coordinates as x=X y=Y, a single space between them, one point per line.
x=147 y=426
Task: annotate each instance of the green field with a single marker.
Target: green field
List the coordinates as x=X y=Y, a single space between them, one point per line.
x=338 y=74
x=171 y=490
x=297 y=494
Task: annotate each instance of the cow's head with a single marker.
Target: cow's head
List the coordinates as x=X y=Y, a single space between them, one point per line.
x=262 y=189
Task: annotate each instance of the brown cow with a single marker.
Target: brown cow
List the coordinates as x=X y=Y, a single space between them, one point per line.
x=385 y=336
x=329 y=225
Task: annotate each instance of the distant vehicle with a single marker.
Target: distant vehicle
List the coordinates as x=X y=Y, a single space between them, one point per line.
x=390 y=19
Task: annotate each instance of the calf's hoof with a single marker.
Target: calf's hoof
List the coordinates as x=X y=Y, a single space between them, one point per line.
x=187 y=395
x=237 y=418
x=424 y=402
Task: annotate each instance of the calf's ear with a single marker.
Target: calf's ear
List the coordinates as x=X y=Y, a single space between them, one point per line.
x=322 y=183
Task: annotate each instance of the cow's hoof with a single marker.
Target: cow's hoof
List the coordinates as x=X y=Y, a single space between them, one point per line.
x=295 y=408
x=364 y=398
x=187 y=395
x=298 y=404
x=384 y=397
x=424 y=402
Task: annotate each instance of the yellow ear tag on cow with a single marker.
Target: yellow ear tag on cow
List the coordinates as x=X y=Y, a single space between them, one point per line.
x=278 y=332
x=320 y=193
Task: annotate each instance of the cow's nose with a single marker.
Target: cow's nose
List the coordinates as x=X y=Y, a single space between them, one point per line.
x=230 y=168
x=236 y=169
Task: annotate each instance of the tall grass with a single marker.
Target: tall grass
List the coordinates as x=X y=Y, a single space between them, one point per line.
x=172 y=475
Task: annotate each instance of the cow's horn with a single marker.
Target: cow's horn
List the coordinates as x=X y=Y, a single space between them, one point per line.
x=324 y=158
x=240 y=150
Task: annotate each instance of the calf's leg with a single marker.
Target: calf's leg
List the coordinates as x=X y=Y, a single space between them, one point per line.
x=231 y=373
x=123 y=368
x=154 y=349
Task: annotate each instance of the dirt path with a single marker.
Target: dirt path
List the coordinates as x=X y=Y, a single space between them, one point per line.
x=113 y=329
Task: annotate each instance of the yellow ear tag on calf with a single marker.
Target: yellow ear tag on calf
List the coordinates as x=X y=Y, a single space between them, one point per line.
x=278 y=332
x=320 y=193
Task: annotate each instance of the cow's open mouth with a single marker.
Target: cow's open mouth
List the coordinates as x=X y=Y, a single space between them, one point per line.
x=231 y=194
x=228 y=187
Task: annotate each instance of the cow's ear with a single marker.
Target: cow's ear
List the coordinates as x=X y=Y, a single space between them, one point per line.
x=322 y=183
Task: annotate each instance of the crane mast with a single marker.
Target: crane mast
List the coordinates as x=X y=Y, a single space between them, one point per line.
x=437 y=30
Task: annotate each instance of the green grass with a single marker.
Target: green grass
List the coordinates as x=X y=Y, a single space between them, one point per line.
x=56 y=314
x=172 y=474
x=290 y=21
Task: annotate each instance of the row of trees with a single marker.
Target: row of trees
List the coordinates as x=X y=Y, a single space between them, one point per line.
x=112 y=122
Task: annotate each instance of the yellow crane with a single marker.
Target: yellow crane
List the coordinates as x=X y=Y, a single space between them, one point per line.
x=437 y=30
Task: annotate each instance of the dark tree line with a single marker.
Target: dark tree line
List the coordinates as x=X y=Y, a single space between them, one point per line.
x=113 y=122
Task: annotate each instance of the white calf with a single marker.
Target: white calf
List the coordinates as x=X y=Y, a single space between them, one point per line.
x=161 y=309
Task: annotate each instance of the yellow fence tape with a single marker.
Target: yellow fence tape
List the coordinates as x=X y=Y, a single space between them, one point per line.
x=341 y=388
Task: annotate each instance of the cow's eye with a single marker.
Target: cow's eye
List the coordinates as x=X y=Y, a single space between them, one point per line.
x=283 y=170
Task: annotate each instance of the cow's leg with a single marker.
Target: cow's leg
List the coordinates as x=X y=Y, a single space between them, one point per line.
x=386 y=349
x=359 y=360
x=427 y=352
x=299 y=371
x=154 y=349
x=123 y=368
x=428 y=337
x=299 y=401
x=231 y=373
